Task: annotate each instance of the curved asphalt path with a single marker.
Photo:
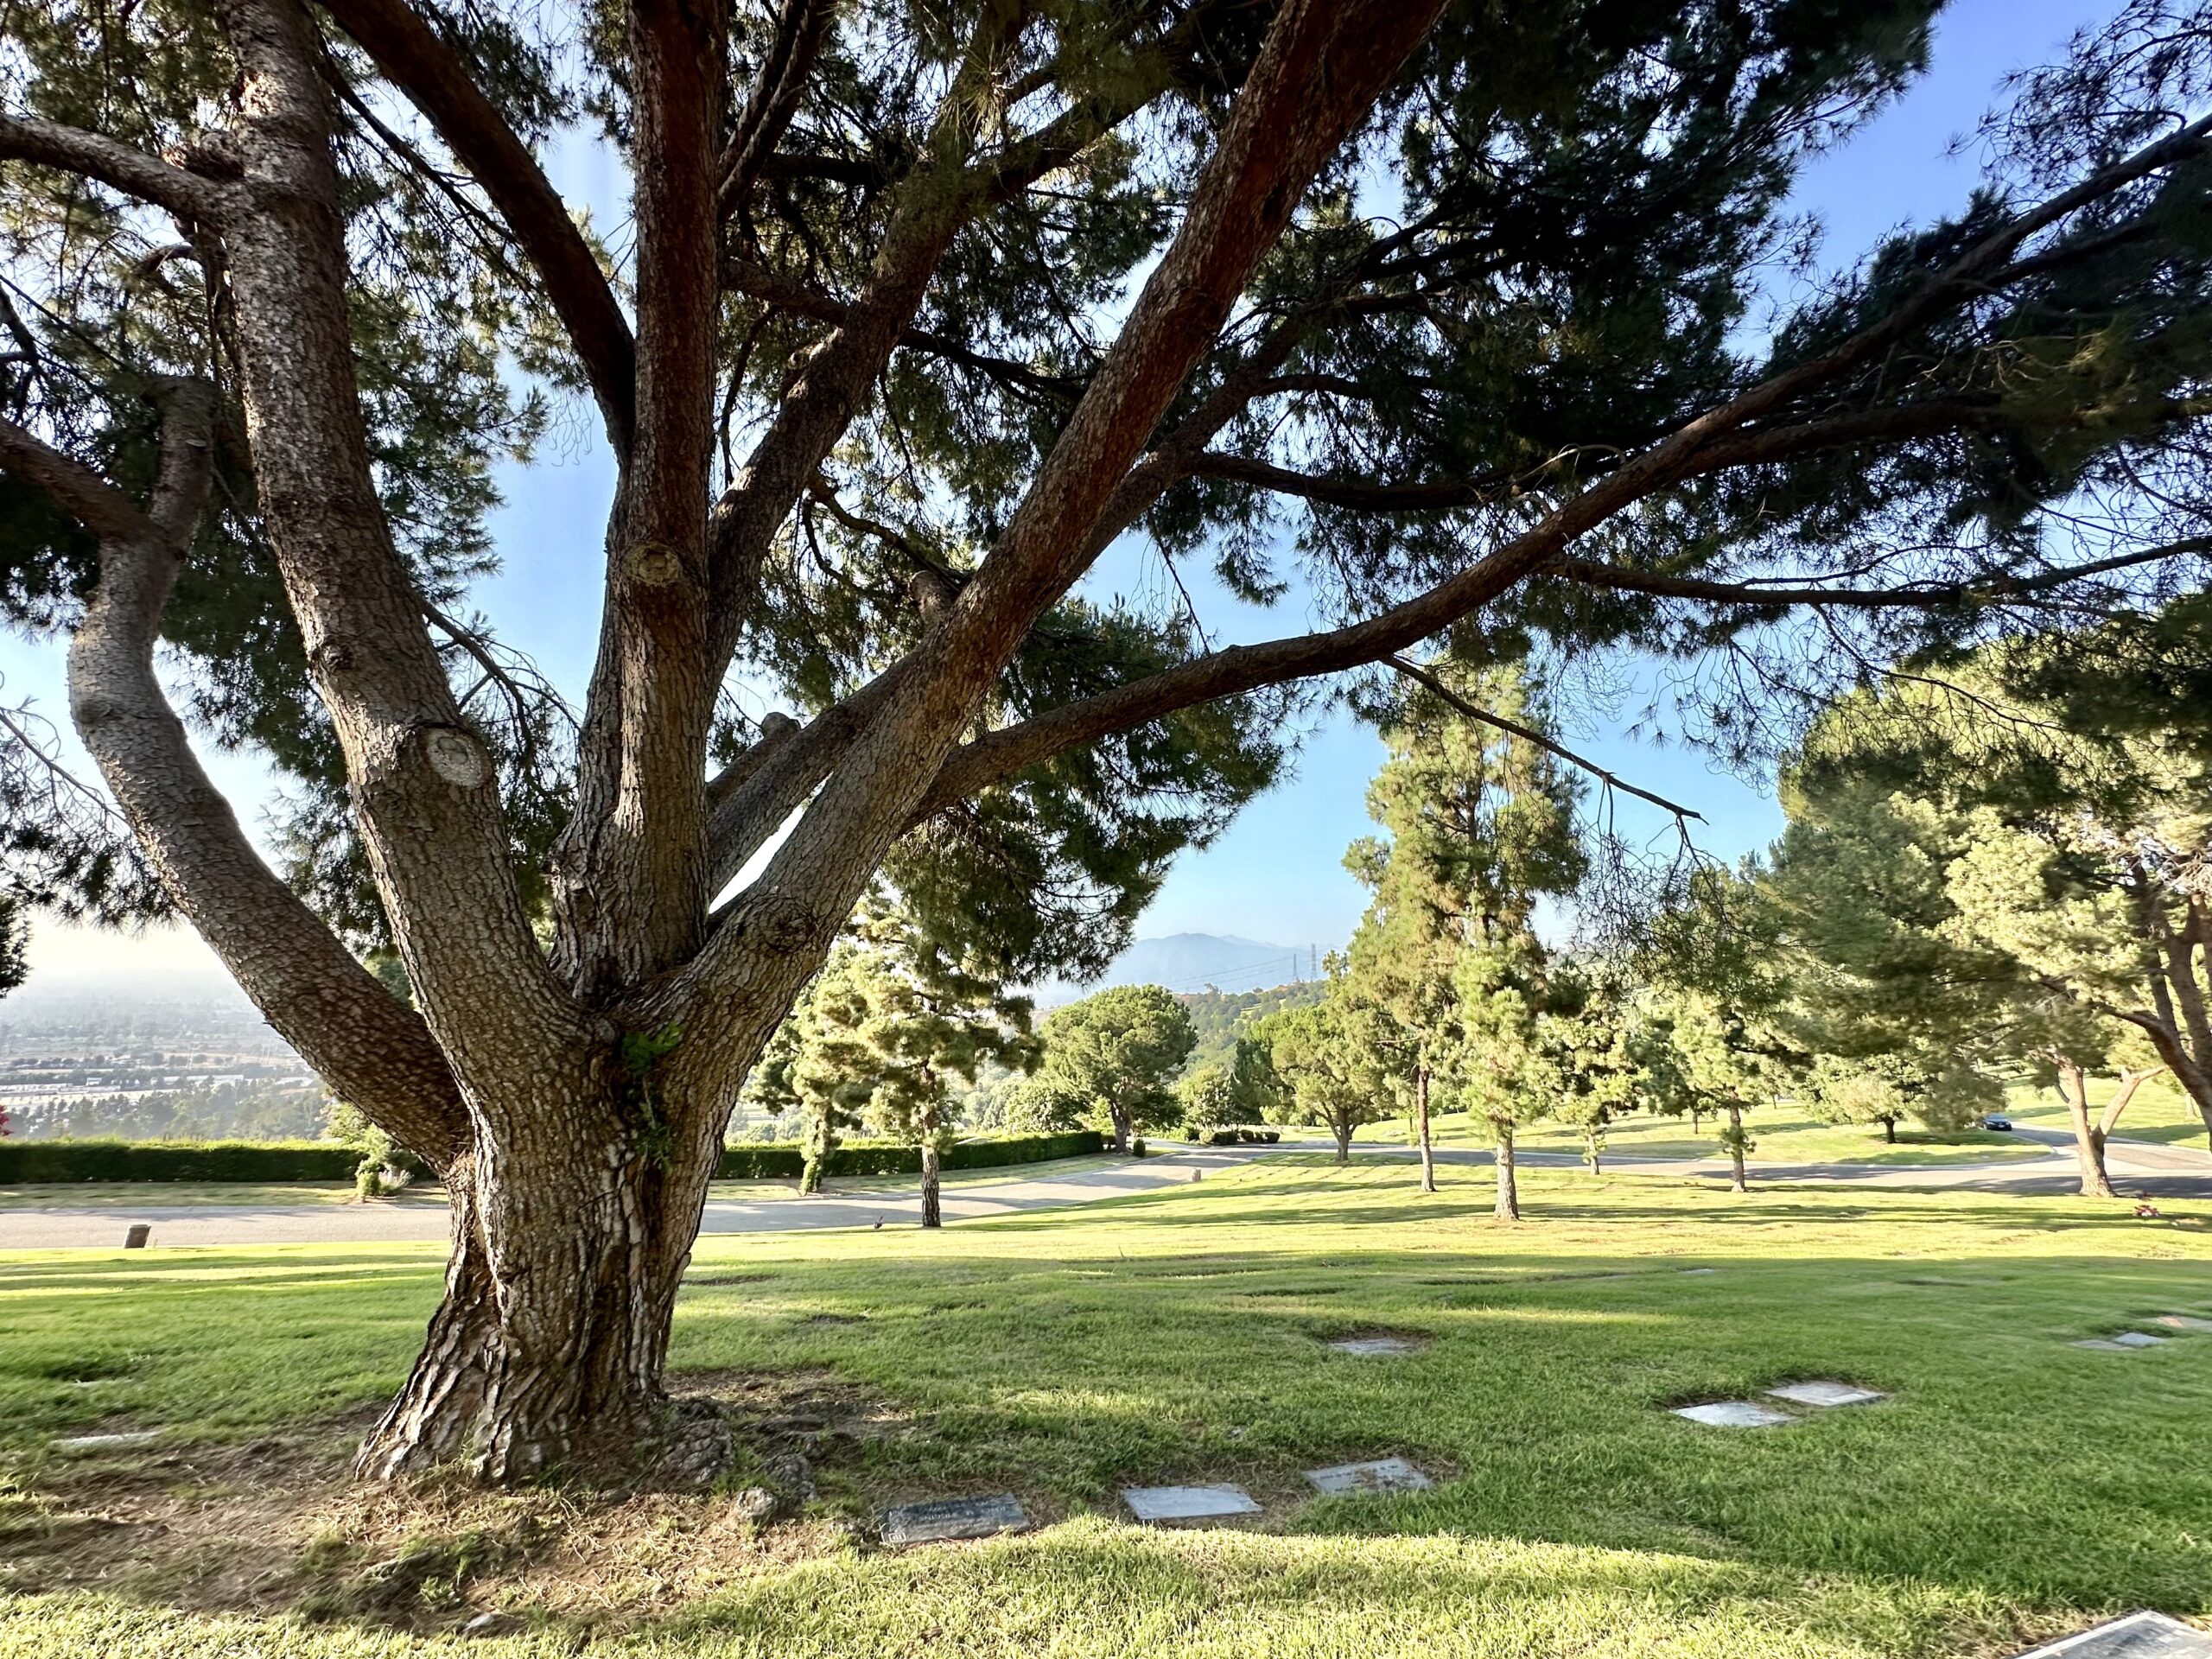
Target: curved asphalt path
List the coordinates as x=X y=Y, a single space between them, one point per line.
x=424 y=1219
x=2137 y=1167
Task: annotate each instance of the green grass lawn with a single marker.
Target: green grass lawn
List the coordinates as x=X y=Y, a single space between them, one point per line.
x=110 y=1195
x=2014 y=1487
x=1782 y=1135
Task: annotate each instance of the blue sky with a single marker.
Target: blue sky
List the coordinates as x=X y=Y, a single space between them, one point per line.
x=1275 y=874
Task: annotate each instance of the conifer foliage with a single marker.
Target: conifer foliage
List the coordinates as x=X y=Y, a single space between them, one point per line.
x=1422 y=320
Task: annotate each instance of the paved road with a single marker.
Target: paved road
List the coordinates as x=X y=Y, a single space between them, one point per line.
x=2137 y=1166
x=422 y=1219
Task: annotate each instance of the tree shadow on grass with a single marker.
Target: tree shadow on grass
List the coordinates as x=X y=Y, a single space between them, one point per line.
x=2009 y=1471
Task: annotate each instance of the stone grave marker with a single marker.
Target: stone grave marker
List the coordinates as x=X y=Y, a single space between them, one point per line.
x=104 y=1442
x=2138 y=1636
x=136 y=1237
x=1156 y=1503
x=1734 y=1414
x=1371 y=1347
x=943 y=1519
x=1823 y=1392
x=2127 y=1342
x=1381 y=1475
x=2182 y=1322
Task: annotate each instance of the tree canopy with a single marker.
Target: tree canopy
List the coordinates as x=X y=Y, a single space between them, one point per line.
x=1437 y=324
x=1117 y=1052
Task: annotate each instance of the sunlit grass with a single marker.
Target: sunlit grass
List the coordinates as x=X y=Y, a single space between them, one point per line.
x=2015 y=1485
x=1782 y=1135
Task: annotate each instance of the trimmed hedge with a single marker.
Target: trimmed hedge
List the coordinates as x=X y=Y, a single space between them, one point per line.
x=772 y=1160
x=175 y=1160
x=26 y=1161
x=1231 y=1135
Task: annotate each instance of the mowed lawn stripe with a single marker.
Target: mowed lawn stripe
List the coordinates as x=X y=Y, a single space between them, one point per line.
x=2012 y=1487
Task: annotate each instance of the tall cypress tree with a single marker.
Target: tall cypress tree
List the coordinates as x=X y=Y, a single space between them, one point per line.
x=1479 y=824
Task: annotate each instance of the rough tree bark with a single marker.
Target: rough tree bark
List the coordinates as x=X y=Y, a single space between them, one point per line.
x=2129 y=1083
x=1422 y=1128
x=932 y=1201
x=1509 y=1185
x=1737 y=1183
x=1340 y=1128
x=2089 y=1136
x=575 y=1100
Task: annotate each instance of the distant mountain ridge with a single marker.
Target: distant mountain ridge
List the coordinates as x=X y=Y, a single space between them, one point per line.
x=1191 y=962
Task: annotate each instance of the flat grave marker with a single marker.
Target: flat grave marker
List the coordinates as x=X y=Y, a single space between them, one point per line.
x=1822 y=1392
x=1734 y=1414
x=2182 y=1322
x=1372 y=1347
x=2138 y=1636
x=1381 y=1475
x=2127 y=1342
x=945 y=1519
x=102 y=1442
x=1156 y=1503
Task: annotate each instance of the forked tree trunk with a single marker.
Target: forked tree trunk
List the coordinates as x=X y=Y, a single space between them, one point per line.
x=2089 y=1139
x=1509 y=1186
x=546 y=1351
x=1341 y=1128
x=1594 y=1151
x=1737 y=1183
x=1422 y=1124
x=2130 y=1081
x=1118 y=1113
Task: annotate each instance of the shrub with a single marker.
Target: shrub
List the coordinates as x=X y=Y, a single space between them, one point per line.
x=1231 y=1134
x=782 y=1161
x=176 y=1161
x=23 y=1161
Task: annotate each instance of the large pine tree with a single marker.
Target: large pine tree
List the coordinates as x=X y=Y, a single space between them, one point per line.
x=918 y=309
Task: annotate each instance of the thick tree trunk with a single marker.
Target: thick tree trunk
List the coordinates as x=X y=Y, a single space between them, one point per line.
x=932 y=1206
x=2089 y=1139
x=1889 y=1131
x=1736 y=1182
x=1341 y=1128
x=1508 y=1187
x=1594 y=1151
x=1119 y=1114
x=1421 y=1118
x=569 y=1243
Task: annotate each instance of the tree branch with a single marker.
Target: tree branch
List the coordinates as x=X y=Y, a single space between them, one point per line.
x=1316 y=75
x=1995 y=590
x=800 y=26
x=49 y=144
x=440 y=85
x=71 y=486
x=370 y=1047
x=1423 y=676
x=1245 y=667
